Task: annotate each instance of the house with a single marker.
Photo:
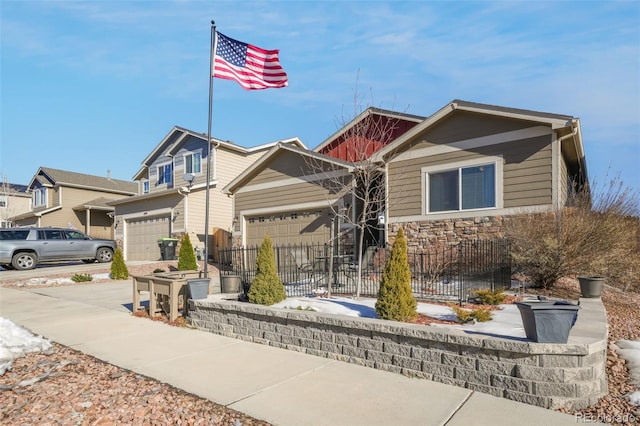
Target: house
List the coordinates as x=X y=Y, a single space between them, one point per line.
x=281 y=195
x=450 y=176
x=67 y=199
x=172 y=193
x=461 y=171
x=14 y=201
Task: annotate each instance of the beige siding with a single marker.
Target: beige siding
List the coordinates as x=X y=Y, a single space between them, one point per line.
x=527 y=174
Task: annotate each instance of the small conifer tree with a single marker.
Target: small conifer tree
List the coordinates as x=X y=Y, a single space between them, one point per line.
x=119 y=269
x=395 y=300
x=266 y=288
x=186 y=256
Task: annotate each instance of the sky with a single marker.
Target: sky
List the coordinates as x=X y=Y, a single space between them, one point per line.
x=93 y=86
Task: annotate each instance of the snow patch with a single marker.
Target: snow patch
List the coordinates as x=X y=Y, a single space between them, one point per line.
x=15 y=342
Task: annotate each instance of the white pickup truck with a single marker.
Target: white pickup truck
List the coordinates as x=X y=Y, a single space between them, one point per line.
x=24 y=248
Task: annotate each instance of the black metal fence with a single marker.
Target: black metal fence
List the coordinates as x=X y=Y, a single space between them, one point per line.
x=440 y=272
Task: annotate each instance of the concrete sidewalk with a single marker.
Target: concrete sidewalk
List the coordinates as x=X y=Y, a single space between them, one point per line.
x=280 y=386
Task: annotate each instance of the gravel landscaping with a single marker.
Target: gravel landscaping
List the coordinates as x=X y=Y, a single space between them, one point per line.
x=63 y=386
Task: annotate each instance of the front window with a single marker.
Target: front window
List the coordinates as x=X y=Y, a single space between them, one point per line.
x=193 y=163
x=463 y=188
x=3 y=201
x=165 y=173
x=145 y=187
x=40 y=197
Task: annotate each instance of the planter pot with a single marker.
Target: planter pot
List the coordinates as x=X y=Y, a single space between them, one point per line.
x=591 y=286
x=198 y=288
x=231 y=284
x=548 y=322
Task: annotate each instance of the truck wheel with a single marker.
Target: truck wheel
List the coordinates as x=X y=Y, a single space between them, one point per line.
x=104 y=255
x=24 y=260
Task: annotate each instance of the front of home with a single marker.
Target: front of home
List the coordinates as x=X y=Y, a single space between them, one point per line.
x=60 y=198
x=172 y=194
x=451 y=176
x=468 y=166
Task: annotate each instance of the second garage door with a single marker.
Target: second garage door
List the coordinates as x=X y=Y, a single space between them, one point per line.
x=301 y=227
x=143 y=235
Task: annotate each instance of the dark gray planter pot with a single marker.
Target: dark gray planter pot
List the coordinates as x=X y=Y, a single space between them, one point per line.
x=548 y=322
x=198 y=288
x=591 y=286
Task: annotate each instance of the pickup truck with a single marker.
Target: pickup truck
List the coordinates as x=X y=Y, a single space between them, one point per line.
x=24 y=248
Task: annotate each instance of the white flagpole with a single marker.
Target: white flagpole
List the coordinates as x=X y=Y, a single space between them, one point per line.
x=212 y=49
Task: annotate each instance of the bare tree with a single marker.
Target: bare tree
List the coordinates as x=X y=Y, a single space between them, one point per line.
x=364 y=195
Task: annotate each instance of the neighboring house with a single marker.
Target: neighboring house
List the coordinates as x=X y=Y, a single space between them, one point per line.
x=73 y=200
x=14 y=201
x=171 y=194
x=450 y=176
x=466 y=167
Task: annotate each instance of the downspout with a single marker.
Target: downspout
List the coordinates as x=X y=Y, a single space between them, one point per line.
x=558 y=203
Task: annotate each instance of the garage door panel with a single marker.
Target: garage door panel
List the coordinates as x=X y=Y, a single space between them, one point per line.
x=290 y=228
x=143 y=235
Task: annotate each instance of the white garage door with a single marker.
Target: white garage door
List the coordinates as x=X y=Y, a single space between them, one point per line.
x=300 y=227
x=143 y=235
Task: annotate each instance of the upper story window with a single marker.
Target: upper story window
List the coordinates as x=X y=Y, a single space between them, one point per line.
x=193 y=163
x=145 y=187
x=3 y=201
x=467 y=187
x=40 y=197
x=165 y=174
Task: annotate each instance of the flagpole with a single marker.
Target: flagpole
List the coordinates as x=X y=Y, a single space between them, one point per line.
x=212 y=48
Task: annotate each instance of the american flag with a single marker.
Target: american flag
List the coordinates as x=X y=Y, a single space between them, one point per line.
x=252 y=67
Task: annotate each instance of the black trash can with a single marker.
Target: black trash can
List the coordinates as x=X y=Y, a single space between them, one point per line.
x=168 y=248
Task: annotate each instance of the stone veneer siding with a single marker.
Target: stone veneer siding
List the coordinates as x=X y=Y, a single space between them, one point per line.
x=449 y=231
x=548 y=375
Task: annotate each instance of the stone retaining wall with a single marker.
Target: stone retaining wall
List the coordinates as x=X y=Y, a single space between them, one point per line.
x=548 y=375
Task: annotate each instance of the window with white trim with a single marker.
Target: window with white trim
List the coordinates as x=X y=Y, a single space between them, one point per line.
x=193 y=163
x=467 y=187
x=145 y=187
x=165 y=174
x=40 y=197
x=3 y=201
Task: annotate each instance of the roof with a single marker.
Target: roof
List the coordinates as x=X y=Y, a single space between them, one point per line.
x=556 y=121
x=52 y=177
x=177 y=135
x=394 y=115
x=262 y=162
x=100 y=203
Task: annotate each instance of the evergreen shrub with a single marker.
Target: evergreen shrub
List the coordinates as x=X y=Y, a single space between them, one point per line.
x=186 y=257
x=79 y=278
x=395 y=299
x=119 y=269
x=266 y=288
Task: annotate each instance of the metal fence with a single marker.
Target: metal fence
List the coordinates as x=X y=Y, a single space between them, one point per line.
x=438 y=272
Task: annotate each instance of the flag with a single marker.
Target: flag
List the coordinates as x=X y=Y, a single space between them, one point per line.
x=252 y=67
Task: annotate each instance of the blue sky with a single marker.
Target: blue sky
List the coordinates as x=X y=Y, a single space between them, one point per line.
x=91 y=86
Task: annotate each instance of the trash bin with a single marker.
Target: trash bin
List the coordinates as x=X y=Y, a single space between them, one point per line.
x=168 y=248
x=548 y=321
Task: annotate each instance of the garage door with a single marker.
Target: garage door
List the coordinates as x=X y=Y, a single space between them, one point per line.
x=143 y=235
x=300 y=227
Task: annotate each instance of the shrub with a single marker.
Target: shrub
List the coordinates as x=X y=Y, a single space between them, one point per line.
x=466 y=315
x=119 y=269
x=266 y=287
x=186 y=257
x=597 y=233
x=79 y=278
x=395 y=299
x=488 y=297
